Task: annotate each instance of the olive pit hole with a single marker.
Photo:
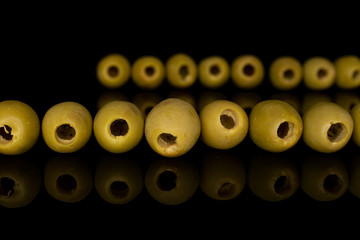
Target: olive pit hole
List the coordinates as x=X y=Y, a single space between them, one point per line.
x=119 y=189
x=150 y=71
x=285 y=130
x=282 y=185
x=119 y=127
x=228 y=118
x=65 y=133
x=336 y=132
x=226 y=190
x=249 y=70
x=289 y=74
x=166 y=140
x=166 y=180
x=332 y=183
x=5 y=133
x=6 y=187
x=215 y=69
x=66 y=184
x=113 y=71
x=184 y=72
x=321 y=73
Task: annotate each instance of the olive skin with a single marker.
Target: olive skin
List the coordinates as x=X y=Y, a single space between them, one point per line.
x=224 y=124
x=148 y=72
x=355 y=113
x=181 y=71
x=172 y=127
x=285 y=73
x=327 y=127
x=275 y=125
x=347 y=72
x=113 y=71
x=67 y=127
x=319 y=73
x=118 y=126
x=19 y=127
x=247 y=71
x=214 y=71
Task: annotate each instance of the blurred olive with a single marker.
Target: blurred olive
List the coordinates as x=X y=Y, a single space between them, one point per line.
x=246 y=100
x=208 y=97
x=289 y=98
x=354 y=176
x=145 y=101
x=311 y=98
x=110 y=96
x=183 y=95
x=347 y=99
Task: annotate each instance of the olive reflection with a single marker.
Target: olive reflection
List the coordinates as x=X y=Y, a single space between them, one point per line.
x=145 y=101
x=324 y=177
x=222 y=175
x=171 y=181
x=246 y=100
x=347 y=99
x=110 y=96
x=311 y=98
x=68 y=178
x=118 y=180
x=183 y=95
x=20 y=182
x=272 y=177
x=208 y=97
x=354 y=176
x=289 y=98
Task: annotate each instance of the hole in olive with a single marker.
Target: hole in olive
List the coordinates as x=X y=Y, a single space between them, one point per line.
x=150 y=71
x=113 y=71
x=166 y=140
x=356 y=74
x=215 y=69
x=289 y=74
x=5 y=132
x=65 y=132
x=119 y=189
x=119 y=127
x=226 y=190
x=248 y=69
x=285 y=130
x=66 y=184
x=166 y=180
x=332 y=183
x=227 y=121
x=321 y=73
x=6 y=187
x=282 y=185
x=336 y=132
x=184 y=71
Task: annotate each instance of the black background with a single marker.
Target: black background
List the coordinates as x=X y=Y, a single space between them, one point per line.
x=44 y=63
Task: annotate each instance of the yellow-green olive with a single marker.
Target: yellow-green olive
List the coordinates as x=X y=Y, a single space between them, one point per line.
x=224 y=124
x=67 y=127
x=327 y=127
x=148 y=72
x=355 y=113
x=319 y=73
x=113 y=70
x=172 y=127
x=324 y=177
x=119 y=126
x=347 y=72
x=275 y=125
x=19 y=127
x=214 y=72
x=285 y=73
x=247 y=71
x=181 y=70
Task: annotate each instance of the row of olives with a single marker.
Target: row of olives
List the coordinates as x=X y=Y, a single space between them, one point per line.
x=173 y=126
x=246 y=72
x=220 y=176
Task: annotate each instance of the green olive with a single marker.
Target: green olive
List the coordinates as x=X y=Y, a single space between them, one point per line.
x=247 y=71
x=20 y=182
x=324 y=177
x=272 y=178
x=222 y=175
x=311 y=98
x=354 y=176
x=118 y=180
x=275 y=125
x=119 y=126
x=355 y=113
x=319 y=73
x=285 y=73
x=19 y=127
x=347 y=72
x=171 y=181
x=327 y=127
x=181 y=70
x=67 y=127
x=68 y=178
x=224 y=124
x=113 y=71
x=148 y=72
x=347 y=99
x=214 y=72
x=172 y=127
